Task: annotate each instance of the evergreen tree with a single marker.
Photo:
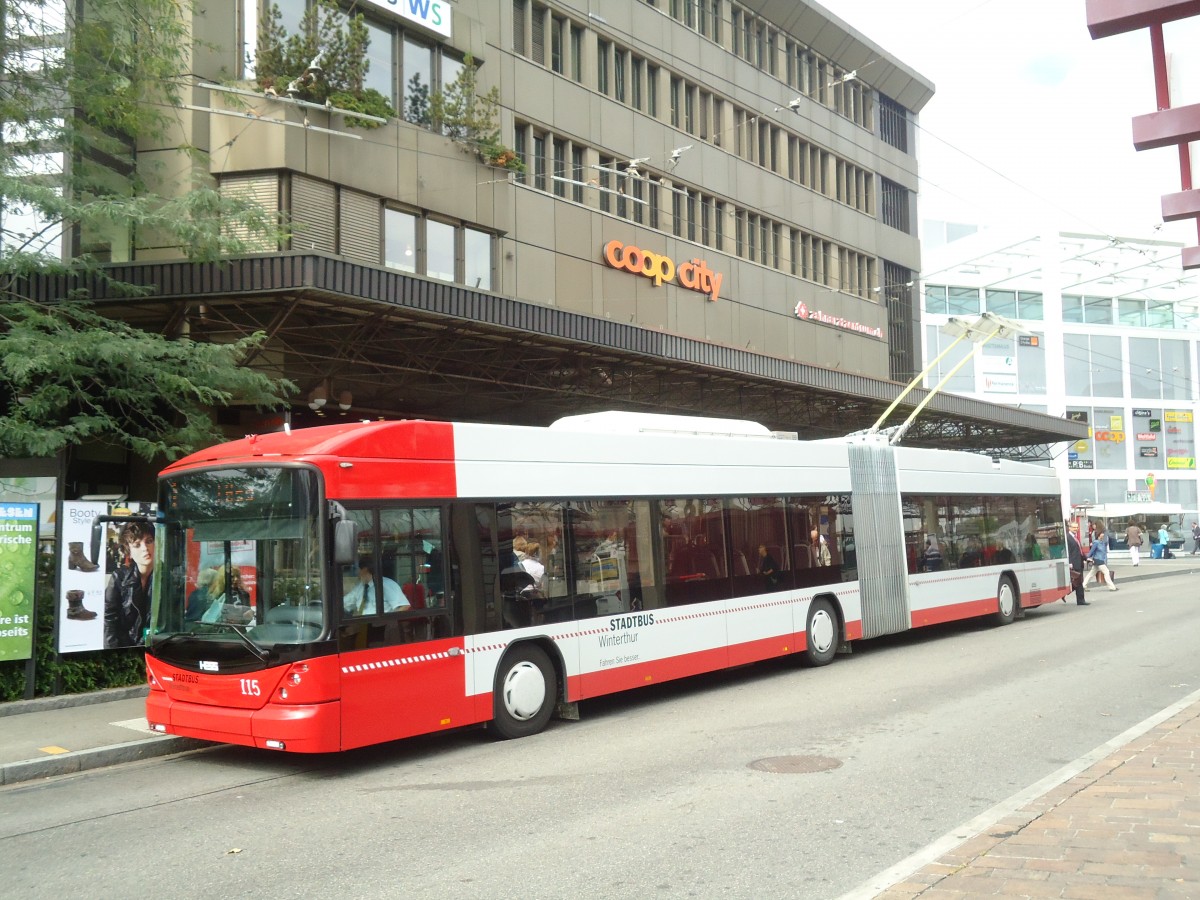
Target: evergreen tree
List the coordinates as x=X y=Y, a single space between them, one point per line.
x=82 y=86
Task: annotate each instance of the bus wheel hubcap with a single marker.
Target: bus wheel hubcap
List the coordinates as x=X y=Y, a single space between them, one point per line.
x=822 y=631
x=524 y=691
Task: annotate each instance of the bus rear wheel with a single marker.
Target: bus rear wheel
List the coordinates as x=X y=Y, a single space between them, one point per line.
x=1007 y=601
x=822 y=633
x=524 y=694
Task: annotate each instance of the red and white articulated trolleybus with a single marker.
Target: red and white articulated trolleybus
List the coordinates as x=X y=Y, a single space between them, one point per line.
x=344 y=585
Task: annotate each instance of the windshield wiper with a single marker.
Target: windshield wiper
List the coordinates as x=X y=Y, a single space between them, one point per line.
x=258 y=650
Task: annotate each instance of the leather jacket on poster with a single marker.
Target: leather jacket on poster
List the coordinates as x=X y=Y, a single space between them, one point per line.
x=126 y=609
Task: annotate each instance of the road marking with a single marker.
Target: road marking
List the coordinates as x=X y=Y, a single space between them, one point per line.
x=54 y=750
x=931 y=853
x=138 y=724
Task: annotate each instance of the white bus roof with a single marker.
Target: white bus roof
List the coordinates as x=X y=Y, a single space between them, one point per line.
x=617 y=422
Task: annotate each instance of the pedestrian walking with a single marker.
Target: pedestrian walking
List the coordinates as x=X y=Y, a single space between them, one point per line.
x=1075 y=561
x=1133 y=537
x=1195 y=537
x=1098 y=554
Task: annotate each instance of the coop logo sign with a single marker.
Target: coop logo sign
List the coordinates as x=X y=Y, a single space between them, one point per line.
x=433 y=14
x=694 y=275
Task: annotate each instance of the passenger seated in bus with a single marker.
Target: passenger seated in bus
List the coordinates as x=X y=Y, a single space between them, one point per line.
x=768 y=568
x=1032 y=551
x=931 y=558
x=532 y=564
x=209 y=583
x=818 y=548
x=973 y=556
x=360 y=599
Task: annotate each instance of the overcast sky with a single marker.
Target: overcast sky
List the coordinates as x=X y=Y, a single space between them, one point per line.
x=1031 y=119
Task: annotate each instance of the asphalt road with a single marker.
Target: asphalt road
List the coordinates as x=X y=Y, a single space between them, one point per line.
x=651 y=794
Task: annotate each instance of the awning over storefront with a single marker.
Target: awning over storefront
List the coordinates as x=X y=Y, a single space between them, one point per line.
x=402 y=345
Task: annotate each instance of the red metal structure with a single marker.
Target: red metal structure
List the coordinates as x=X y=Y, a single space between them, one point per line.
x=1167 y=126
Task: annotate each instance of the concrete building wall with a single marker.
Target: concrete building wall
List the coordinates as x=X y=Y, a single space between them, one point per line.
x=548 y=249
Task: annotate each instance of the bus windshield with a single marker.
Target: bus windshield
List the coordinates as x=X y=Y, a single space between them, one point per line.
x=240 y=557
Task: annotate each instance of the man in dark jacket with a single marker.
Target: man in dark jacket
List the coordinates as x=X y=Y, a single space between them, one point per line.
x=127 y=600
x=1075 y=560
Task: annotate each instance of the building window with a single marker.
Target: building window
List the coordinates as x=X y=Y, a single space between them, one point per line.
x=652 y=91
x=576 y=54
x=603 y=48
x=620 y=64
x=400 y=240
x=418 y=81
x=1002 y=303
x=381 y=56
x=1098 y=310
x=439 y=250
x=477 y=259
x=893 y=123
x=676 y=90
x=559 y=171
x=518 y=37
x=895 y=205
x=605 y=183
x=1093 y=365
x=577 y=174
x=520 y=147
x=537 y=32
x=539 y=161
x=424 y=246
x=558 y=28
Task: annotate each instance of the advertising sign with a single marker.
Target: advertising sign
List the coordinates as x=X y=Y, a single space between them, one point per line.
x=432 y=14
x=1181 y=462
x=1142 y=414
x=694 y=275
x=998 y=374
x=106 y=577
x=18 y=570
x=1148 y=452
x=1079 y=464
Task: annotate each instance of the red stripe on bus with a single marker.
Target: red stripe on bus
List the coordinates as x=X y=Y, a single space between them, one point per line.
x=953 y=612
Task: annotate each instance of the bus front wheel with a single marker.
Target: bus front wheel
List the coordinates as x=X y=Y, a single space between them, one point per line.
x=1006 y=597
x=821 y=635
x=524 y=694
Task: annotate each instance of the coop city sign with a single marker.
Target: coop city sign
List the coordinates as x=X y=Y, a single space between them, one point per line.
x=694 y=275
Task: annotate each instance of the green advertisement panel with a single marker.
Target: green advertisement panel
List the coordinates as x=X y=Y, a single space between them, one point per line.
x=18 y=561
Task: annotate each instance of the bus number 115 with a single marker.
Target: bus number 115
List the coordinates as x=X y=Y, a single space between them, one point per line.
x=250 y=687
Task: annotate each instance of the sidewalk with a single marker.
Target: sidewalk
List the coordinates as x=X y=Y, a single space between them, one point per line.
x=60 y=735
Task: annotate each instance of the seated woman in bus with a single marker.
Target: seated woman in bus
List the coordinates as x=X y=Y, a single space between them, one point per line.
x=1032 y=551
x=234 y=608
x=360 y=599
x=209 y=584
